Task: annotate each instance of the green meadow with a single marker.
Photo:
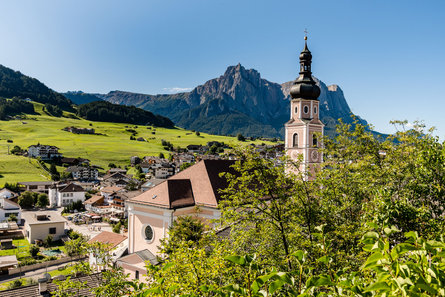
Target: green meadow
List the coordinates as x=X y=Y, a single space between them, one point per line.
x=113 y=145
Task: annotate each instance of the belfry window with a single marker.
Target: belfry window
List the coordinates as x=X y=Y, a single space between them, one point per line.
x=295 y=140
x=306 y=109
x=314 y=140
x=296 y=109
x=315 y=109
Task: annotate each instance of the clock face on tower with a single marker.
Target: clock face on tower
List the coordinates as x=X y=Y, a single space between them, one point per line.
x=314 y=156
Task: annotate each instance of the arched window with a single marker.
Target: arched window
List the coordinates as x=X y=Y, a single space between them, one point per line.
x=295 y=140
x=306 y=109
x=296 y=109
x=315 y=109
x=314 y=140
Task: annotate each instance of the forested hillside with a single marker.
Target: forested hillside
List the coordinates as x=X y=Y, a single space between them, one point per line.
x=114 y=113
x=15 y=84
x=13 y=107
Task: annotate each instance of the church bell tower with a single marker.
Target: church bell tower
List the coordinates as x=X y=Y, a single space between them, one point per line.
x=304 y=127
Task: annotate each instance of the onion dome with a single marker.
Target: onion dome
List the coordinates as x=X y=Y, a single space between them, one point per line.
x=304 y=86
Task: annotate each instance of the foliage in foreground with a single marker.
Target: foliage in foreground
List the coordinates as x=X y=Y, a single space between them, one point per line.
x=364 y=185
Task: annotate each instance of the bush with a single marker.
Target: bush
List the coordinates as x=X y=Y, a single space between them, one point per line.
x=15 y=284
x=16 y=150
x=27 y=261
x=117 y=228
x=34 y=250
x=26 y=200
x=48 y=241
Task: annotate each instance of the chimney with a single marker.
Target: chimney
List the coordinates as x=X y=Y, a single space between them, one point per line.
x=43 y=286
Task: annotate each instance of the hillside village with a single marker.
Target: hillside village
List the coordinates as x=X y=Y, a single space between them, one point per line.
x=125 y=203
x=94 y=204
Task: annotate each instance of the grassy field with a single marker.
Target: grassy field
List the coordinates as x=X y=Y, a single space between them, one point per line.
x=113 y=146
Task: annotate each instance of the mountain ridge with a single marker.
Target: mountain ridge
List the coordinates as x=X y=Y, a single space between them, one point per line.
x=239 y=101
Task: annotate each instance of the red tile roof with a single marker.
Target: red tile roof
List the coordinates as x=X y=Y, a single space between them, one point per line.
x=197 y=185
x=110 y=238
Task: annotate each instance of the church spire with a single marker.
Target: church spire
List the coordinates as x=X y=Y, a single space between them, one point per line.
x=305 y=87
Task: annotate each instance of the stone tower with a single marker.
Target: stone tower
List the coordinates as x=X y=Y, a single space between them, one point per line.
x=304 y=125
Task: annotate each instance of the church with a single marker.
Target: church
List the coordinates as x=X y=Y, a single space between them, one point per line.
x=195 y=191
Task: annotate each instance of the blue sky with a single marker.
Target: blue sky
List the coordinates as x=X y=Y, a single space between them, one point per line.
x=387 y=56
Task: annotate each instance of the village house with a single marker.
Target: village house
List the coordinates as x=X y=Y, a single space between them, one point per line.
x=83 y=173
x=8 y=194
x=161 y=169
x=7 y=262
x=117 y=244
x=116 y=179
x=44 y=152
x=64 y=194
x=40 y=224
x=74 y=161
x=39 y=187
x=8 y=208
x=93 y=204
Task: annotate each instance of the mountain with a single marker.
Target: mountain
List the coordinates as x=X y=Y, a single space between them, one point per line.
x=79 y=97
x=15 y=84
x=239 y=101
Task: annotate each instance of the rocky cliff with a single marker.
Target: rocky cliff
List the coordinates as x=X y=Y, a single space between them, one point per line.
x=239 y=101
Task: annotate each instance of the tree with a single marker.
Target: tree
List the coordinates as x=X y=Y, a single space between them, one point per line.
x=53 y=171
x=185 y=166
x=161 y=156
x=117 y=227
x=114 y=283
x=16 y=150
x=240 y=137
x=197 y=133
x=187 y=229
x=68 y=287
x=26 y=200
x=48 y=241
x=34 y=250
x=42 y=200
x=270 y=211
x=111 y=165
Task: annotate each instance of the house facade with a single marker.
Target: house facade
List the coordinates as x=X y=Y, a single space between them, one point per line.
x=44 y=152
x=40 y=224
x=61 y=195
x=8 y=208
x=83 y=173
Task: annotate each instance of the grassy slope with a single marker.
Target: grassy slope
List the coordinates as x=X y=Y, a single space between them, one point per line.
x=114 y=146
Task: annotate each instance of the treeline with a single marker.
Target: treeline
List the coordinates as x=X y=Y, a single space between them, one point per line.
x=15 y=84
x=14 y=107
x=108 y=112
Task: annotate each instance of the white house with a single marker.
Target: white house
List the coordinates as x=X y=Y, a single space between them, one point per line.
x=83 y=172
x=7 y=208
x=45 y=152
x=40 y=224
x=65 y=194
